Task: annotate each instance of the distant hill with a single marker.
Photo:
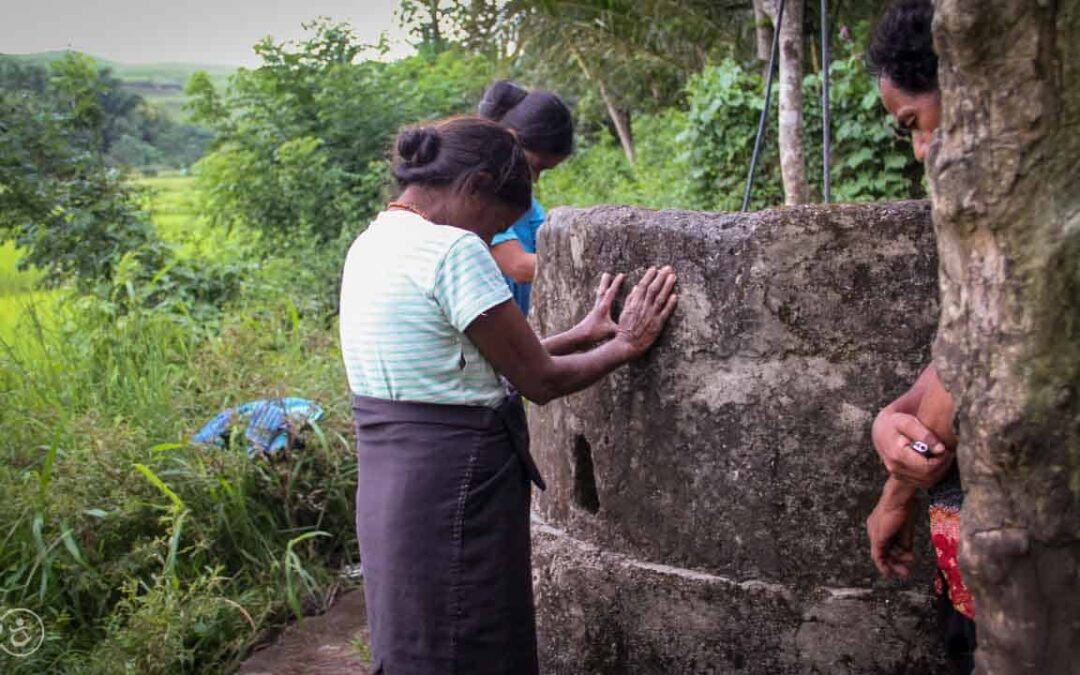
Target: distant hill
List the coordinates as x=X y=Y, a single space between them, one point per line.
x=160 y=83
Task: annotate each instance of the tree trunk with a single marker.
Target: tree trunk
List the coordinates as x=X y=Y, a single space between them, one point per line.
x=621 y=119
x=763 y=33
x=1007 y=208
x=792 y=162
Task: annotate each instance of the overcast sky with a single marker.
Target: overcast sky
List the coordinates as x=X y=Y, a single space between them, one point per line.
x=191 y=31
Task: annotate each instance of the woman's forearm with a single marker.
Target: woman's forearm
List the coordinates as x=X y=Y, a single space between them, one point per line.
x=505 y=339
x=514 y=262
x=570 y=373
x=896 y=493
x=568 y=342
x=908 y=402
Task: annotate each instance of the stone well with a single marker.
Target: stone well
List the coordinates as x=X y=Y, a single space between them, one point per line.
x=705 y=506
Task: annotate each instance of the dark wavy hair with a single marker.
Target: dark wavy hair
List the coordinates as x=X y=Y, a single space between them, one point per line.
x=465 y=153
x=540 y=119
x=902 y=47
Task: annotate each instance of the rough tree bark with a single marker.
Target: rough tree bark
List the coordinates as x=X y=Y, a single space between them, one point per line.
x=1007 y=210
x=792 y=162
x=763 y=35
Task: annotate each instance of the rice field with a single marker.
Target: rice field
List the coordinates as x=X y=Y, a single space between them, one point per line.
x=20 y=295
x=174 y=209
x=174 y=206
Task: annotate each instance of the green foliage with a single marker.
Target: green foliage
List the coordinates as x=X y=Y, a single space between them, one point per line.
x=725 y=105
x=639 y=53
x=143 y=554
x=129 y=131
x=699 y=159
x=599 y=173
x=868 y=162
x=74 y=216
x=305 y=137
x=150 y=140
x=76 y=219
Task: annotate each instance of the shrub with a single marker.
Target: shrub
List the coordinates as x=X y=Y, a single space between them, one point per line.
x=304 y=139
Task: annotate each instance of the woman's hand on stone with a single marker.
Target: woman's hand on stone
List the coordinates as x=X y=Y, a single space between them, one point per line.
x=893 y=433
x=598 y=326
x=647 y=310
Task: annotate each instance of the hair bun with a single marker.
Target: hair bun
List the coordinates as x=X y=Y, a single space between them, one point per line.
x=500 y=98
x=418 y=146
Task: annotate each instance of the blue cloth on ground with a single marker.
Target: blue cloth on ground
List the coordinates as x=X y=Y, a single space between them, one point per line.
x=270 y=424
x=523 y=231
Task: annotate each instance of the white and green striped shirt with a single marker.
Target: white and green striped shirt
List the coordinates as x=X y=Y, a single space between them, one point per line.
x=409 y=290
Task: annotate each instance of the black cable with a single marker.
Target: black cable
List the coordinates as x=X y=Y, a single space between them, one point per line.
x=765 y=109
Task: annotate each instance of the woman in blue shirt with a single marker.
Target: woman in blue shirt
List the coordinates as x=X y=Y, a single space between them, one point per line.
x=545 y=129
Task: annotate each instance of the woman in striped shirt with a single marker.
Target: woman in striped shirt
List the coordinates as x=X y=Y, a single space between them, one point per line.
x=428 y=332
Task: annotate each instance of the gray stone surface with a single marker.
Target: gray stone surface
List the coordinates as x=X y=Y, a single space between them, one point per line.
x=607 y=613
x=738 y=449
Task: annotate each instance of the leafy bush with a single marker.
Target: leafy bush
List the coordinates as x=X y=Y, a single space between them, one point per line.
x=699 y=159
x=76 y=219
x=599 y=173
x=133 y=131
x=868 y=162
x=304 y=139
x=73 y=216
x=725 y=104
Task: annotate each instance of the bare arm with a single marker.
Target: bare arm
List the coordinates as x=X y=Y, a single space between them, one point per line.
x=897 y=426
x=923 y=413
x=890 y=529
x=908 y=402
x=514 y=262
x=936 y=409
x=595 y=328
x=505 y=339
x=569 y=342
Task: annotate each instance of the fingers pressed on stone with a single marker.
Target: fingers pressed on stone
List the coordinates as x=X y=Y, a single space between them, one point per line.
x=657 y=284
x=665 y=290
x=647 y=279
x=605 y=284
x=672 y=301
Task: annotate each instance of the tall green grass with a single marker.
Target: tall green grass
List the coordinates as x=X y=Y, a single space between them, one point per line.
x=141 y=552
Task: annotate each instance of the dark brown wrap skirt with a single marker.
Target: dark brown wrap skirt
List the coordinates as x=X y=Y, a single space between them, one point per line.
x=442 y=515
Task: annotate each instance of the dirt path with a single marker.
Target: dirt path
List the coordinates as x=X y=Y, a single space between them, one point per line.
x=334 y=643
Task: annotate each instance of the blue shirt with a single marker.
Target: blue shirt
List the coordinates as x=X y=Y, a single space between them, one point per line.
x=524 y=232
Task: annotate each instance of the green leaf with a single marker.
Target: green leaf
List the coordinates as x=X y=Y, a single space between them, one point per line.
x=165 y=447
x=177 y=503
x=73 y=548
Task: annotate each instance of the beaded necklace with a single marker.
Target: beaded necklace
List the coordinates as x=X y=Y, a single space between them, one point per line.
x=408 y=207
